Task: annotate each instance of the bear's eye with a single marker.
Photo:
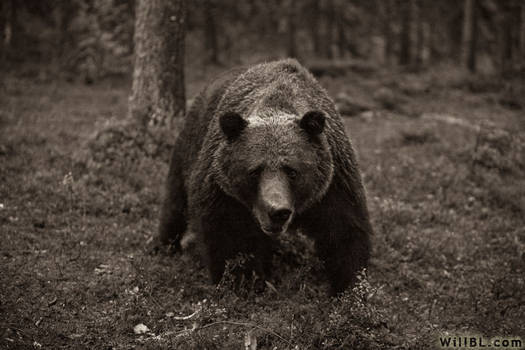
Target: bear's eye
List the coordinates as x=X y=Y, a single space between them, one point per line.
x=291 y=173
x=255 y=172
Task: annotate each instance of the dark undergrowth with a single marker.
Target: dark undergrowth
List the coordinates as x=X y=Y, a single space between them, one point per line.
x=444 y=169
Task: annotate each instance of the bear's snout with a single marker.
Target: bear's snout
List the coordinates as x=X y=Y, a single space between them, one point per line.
x=280 y=216
x=274 y=206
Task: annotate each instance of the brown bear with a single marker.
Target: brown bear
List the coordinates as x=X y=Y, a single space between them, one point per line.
x=263 y=151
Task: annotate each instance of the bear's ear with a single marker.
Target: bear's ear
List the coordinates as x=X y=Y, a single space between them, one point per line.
x=313 y=122
x=232 y=124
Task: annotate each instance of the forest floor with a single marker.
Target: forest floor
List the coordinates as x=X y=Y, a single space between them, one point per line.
x=442 y=157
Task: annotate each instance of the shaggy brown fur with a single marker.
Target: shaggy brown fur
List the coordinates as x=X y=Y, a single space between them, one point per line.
x=258 y=123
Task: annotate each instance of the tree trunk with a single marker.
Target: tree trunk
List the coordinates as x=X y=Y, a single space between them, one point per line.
x=63 y=14
x=469 y=35
x=329 y=21
x=210 y=29
x=314 y=28
x=521 y=34
x=454 y=25
x=292 y=28
x=3 y=22
x=387 y=9
x=419 y=45
x=434 y=53
x=404 y=37
x=8 y=26
x=510 y=26
x=158 y=76
x=341 y=35
x=516 y=27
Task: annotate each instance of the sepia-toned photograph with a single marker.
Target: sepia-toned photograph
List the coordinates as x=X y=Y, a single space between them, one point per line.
x=262 y=175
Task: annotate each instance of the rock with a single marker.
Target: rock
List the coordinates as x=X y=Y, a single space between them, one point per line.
x=141 y=328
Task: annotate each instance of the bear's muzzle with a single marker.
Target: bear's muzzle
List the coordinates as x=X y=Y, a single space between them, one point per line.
x=274 y=205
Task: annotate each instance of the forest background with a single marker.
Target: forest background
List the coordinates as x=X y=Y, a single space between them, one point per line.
x=432 y=94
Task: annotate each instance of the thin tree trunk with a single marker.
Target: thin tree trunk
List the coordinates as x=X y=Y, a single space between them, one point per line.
x=517 y=30
x=507 y=45
x=8 y=26
x=63 y=15
x=419 y=46
x=387 y=9
x=473 y=47
x=341 y=35
x=516 y=27
x=506 y=39
x=329 y=26
x=292 y=28
x=454 y=24
x=433 y=33
x=210 y=29
x=158 y=76
x=469 y=35
x=3 y=8
x=404 y=37
x=521 y=34
x=314 y=28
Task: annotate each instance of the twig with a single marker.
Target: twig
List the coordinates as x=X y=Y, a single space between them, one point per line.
x=181 y=318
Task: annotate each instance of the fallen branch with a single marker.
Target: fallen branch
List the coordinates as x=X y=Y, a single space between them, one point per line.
x=181 y=318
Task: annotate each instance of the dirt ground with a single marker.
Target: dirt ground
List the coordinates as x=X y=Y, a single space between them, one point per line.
x=443 y=163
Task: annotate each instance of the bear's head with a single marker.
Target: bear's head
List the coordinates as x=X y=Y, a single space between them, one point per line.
x=277 y=164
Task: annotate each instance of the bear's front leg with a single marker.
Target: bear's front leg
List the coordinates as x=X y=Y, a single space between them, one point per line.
x=341 y=230
x=228 y=229
x=255 y=250
x=343 y=258
x=173 y=213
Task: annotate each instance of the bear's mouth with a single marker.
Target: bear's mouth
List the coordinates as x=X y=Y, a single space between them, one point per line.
x=274 y=230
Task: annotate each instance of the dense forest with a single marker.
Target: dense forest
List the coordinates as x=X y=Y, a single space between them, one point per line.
x=93 y=94
x=94 y=38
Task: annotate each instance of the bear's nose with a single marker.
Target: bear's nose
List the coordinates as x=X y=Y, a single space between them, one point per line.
x=280 y=216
